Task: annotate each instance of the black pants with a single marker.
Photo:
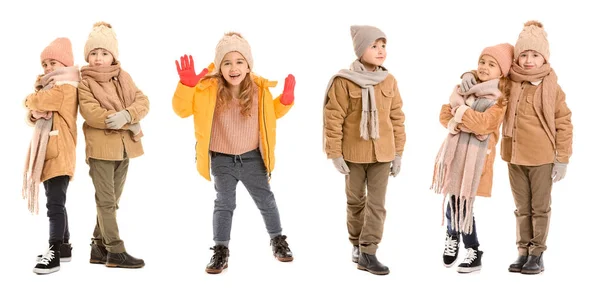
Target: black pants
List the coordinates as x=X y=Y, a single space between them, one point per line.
x=56 y=197
x=469 y=239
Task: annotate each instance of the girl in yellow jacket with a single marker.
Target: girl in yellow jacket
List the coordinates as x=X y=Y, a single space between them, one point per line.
x=234 y=117
x=51 y=157
x=112 y=107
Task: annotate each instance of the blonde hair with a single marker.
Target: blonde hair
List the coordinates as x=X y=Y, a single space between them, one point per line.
x=224 y=95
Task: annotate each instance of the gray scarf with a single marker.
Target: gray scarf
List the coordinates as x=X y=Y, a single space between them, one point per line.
x=357 y=74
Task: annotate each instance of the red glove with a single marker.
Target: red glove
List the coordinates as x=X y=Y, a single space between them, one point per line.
x=187 y=73
x=287 y=97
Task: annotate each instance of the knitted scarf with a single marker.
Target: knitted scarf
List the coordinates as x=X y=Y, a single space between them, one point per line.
x=36 y=154
x=366 y=80
x=460 y=160
x=99 y=80
x=543 y=98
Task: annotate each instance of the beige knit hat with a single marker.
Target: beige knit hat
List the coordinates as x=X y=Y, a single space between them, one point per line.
x=503 y=54
x=61 y=50
x=232 y=42
x=533 y=37
x=102 y=36
x=363 y=36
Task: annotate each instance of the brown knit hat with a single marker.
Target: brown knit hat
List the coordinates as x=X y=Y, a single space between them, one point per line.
x=232 y=42
x=533 y=37
x=363 y=36
x=503 y=54
x=102 y=36
x=61 y=50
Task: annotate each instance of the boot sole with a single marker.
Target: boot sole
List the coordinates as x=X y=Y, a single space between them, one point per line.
x=371 y=271
x=532 y=272
x=514 y=270
x=216 y=271
x=287 y=259
x=46 y=271
x=355 y=260
x=92 y=261
x=468 y=270
x=62 y=260
x=112 y=265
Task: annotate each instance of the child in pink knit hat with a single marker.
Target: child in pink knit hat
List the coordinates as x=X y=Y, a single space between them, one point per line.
x=235 y=116
x=51 y=155
x=537 y=138
x=464 y=164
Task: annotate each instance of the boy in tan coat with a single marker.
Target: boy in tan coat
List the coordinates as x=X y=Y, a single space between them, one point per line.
x=364 y=136
x=537 y=137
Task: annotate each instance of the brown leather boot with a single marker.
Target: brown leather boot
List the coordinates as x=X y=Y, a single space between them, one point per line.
x=123 y=260
x=98 y=254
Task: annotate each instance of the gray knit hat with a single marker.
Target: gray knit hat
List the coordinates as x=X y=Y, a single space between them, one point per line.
x=363 y=36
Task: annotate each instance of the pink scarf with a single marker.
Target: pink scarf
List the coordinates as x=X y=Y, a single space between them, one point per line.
x=36 y=154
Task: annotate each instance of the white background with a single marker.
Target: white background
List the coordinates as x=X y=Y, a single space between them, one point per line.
x=165 y=214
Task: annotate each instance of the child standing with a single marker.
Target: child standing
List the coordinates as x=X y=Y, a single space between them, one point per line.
x=112 y=107
x=51 y=157
x=364 y=136
x=464 y=164
x=234 y=117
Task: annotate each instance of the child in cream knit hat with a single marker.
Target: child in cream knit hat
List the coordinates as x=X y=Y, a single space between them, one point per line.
x=112 y=107
x=235 y=116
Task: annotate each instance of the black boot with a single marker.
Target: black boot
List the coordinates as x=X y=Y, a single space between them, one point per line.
x=370 y=264
x=281 y=250
x=451 y=250
x=218 y=262
x=472 y=261
x=534 y=265
x=65 y=253
x=355 y=253
x=50 y=261
x=98 y=254
x=517 y=265
x=123 y=260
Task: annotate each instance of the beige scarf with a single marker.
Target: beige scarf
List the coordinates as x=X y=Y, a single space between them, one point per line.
x=36 y=154
x=369 y=121
x=103 y=79
x=460 y=160
x=543 y=99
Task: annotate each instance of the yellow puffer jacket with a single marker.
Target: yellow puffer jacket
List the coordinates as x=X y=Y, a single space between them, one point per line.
x=200 y=101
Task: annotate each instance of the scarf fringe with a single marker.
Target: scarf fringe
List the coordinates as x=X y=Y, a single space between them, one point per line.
x=34 y=164
x=461 y=213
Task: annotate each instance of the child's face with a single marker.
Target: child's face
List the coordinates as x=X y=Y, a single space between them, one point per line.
x=234 y=68
x=100 y=58
x=375 y=54
x=488 y=68
x=50 y=65
x=530 y=60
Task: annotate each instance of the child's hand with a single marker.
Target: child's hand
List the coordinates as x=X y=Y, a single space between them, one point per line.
x=468 y=81
x=287 y=97
x=341 y=165
x=187 y=72
x=41 y=114
x=559 y=171
x=117 y=120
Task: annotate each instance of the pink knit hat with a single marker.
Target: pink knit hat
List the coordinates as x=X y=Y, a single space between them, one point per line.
x=61 y=50
x=503 y=54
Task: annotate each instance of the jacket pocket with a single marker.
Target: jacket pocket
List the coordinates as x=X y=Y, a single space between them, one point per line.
x=388 y=95
x=355 y=100
x=52 y=147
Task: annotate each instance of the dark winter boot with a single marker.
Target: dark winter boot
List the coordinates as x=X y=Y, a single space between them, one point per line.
x=218 y=262
x=50 y=261
x=355 y=253
x=65 y=253
x=534 y=265
x=517 y=265
x=123 y=260
x=98 y=254
x=472 y=261
x=281 y=250
x=370 y=264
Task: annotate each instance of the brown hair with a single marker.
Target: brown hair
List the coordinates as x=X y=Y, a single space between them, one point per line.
x=248 y=91
x=504 y=86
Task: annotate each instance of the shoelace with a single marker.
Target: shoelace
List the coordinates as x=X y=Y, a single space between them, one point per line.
x=471 y=256
x=219 y=256
x=47 y=257
x=280 y=244
x=451 y=246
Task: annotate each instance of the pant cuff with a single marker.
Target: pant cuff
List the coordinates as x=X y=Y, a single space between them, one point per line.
x=369 y=249
x=222 y=243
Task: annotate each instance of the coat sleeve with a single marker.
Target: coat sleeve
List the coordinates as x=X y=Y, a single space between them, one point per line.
x=564 y=128
x=139 y=108
x=280 y=109
x=183 y=100
x=486 y=122
x=445 y=115
x=397 y=116
x=335 y=112
x=46 y=100
x=89 y=107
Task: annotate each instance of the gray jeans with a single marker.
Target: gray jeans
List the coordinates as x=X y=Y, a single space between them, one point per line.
x=248 y=168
